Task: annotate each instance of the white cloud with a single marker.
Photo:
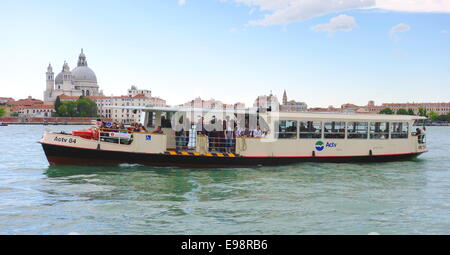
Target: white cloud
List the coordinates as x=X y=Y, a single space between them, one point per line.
x=445 y=31
x=400 y=28
x=181 y=2
x=288 y=11
x=341 y=23
x=415 y=5
x=282 y=12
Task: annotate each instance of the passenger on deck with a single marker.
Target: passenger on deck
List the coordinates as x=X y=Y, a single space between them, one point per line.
x=136 y=127
x=122 y=128
x=258 y=132
x=228 y=134
x=114 y=127
x=180 y=139
x=142 y=128
x=158 y=130
x=247 y=132
x=240 y=131
x=418 y=131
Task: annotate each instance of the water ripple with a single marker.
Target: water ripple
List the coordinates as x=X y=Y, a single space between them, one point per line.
x=410 y=197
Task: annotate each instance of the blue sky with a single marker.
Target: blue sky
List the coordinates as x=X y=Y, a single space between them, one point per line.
x=321 y=52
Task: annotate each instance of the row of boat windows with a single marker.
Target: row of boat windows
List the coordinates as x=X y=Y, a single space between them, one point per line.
x=287 y=129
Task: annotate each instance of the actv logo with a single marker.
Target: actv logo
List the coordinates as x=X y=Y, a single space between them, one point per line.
x=320 y=146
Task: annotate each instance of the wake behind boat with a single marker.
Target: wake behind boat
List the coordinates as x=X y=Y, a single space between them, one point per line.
x=205 y=138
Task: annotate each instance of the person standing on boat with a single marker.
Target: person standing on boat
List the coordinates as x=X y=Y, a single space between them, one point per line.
x=142 y=128
x=257 y=132
x=240 y=132
x=228 y=134
x=122 y=128
x=180 y=137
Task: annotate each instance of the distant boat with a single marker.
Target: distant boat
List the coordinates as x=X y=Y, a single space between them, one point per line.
x=3 y=124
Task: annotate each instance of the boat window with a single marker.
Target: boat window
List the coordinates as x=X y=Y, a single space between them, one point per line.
x=399 y=130
x=357 y=130
x=287 y=129
x=151 y=119
x=379 y=130
x=334 y=130
x=310 y=129
x=166 y=119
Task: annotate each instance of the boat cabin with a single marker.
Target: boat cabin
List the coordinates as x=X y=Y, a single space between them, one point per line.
x=251 y=133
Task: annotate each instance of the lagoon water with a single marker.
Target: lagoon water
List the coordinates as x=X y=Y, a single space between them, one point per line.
x=387 y=198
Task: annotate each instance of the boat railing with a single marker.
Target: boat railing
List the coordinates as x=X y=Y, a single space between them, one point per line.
x=185 y=143
x=112 y=135
x=211 y=144
x=222 y=144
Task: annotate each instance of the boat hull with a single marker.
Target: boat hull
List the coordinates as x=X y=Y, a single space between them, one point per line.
x=66 y=155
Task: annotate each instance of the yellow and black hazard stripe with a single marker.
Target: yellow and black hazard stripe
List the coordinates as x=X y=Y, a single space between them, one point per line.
x=209 y=154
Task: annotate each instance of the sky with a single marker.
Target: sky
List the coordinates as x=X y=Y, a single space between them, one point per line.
x=323 y=52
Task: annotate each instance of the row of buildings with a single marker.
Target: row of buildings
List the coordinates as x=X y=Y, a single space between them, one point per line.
x=439 y=108
x=69 y=85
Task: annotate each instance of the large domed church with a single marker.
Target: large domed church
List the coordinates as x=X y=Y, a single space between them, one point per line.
x=81 y=81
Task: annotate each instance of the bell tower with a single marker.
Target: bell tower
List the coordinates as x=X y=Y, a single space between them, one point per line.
x=50 y=78
x=50 y=84
x=285 y=99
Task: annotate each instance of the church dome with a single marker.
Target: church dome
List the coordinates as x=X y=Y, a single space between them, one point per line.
x=83 y=74
x=59 y=78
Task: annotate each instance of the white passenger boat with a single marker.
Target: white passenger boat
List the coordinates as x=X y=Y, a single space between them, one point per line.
x=213 y=138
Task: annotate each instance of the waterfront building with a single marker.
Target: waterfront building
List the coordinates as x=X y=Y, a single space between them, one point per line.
x=238 y=106
x=134 y=91
x=264 y=102
x=39 y=110
x=22 y=105
x=328 y=109
x=5 y=100
x=292 y=105
x=25 y=102
x=109 y=107
x=439 y=108
x=81 y=81
x=135 y=97
x=211 y=104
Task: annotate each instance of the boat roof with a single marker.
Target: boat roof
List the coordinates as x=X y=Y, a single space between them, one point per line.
x=294 y=115
x=348 y=116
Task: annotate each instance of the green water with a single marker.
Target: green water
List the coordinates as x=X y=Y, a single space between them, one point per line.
x=388 y=198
